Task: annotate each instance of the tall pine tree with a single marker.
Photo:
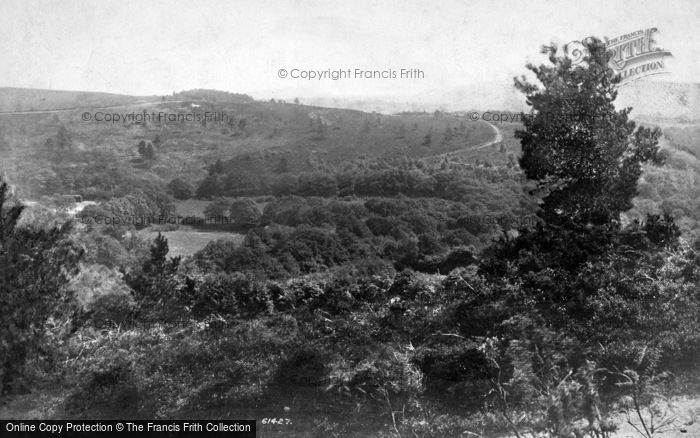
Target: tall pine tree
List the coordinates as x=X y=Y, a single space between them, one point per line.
x=585 y=154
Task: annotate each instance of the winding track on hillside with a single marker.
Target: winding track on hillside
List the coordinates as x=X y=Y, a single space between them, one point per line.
x=62 y=110
x=496 y=140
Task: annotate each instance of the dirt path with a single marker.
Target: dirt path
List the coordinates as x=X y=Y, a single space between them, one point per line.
x=61 y=110
x=684 y=410
x=497 y=139
x=47 y=403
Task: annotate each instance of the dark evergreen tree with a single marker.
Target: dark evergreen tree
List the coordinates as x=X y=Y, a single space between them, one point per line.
x=35 y=265
x=282 y=166
x=210 y=186
x=141 y=148
x=154 y=284
x=63 y=138
x=216 y=168
x=158 y=264
x=180 y=188
x=150 y=154
x=583 y=152
x=586 y=157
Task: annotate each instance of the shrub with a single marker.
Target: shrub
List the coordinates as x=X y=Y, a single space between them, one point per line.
x=301 y=293
x=304 y=366
x=385 y=373
x=231 y=294
x=35 y=266
x=181 y=189
x=244 y=212
x=115 y=308
x=217 y=209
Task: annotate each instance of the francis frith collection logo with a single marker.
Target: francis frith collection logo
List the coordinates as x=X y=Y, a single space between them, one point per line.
x=633 y=55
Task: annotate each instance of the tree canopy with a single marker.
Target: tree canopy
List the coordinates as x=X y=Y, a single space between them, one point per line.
x=583 y=153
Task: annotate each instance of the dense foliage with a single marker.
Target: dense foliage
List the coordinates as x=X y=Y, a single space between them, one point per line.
x=35 y=265
x=362 y=294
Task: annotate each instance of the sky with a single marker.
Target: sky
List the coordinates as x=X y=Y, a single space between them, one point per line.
x=157 y=47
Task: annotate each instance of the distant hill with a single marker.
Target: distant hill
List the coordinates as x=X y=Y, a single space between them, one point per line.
x=487 y=94
x=255 y=142
x=661 y=101
x=31 y=99
x=653 y=101
x=213 y=96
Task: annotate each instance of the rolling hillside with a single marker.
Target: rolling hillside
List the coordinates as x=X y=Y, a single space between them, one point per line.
x=28 y=99
x=254 y=138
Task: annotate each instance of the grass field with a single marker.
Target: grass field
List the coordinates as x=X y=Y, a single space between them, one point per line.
x=187 y=240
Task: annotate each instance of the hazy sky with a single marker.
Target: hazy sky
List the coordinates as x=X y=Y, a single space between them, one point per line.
x=157 y=47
